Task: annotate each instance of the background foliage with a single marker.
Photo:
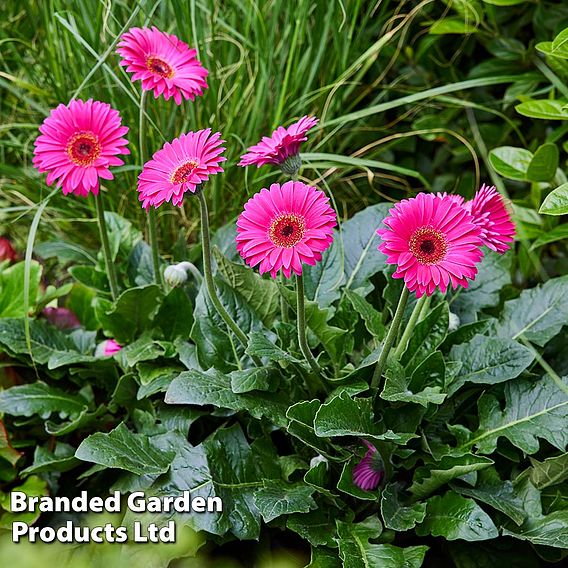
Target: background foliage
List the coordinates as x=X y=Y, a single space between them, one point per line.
x=432 y=95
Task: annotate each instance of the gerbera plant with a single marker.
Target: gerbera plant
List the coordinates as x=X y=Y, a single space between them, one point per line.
x=283 y=228
x=78 y=144
x=168 y=67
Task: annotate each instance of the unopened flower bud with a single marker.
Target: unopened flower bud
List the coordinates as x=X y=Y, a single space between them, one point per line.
x=175 y=275
x=454 y=322
x=7 y=251
x=291 y=165
x=107 y=348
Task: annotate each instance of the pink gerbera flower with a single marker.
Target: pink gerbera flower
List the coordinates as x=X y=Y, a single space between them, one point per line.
x=181 y=165
x=282 y=147
x=107 y=348
x=433 y=241
x=78 y=144
x=164 y=64
x=285 y=227
x=367 y=474
x=491 y=216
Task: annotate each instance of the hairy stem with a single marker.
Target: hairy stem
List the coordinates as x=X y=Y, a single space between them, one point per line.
x=390 y=338
x=206 y=245
x=416 y=313
x=152 y=230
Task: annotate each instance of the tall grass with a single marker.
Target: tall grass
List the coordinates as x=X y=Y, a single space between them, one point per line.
x=350 y=62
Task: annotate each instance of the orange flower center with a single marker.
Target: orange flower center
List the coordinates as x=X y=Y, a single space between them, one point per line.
x=428 y=245
x=287 y=230
x=83 y=148
x=182 y=173
x=160 y=67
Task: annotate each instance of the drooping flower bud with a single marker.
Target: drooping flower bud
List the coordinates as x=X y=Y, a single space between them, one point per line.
x=175 y=275
x=61 y=318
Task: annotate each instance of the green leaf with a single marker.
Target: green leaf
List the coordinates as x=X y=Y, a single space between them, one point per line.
x=544 y=163
x=323 y=280
x=504 y=2
x=34 y=486
x=316 y=527
x=426 y=337
x=346 y=485
x=301 y=425
x=324 y=558
x=62 y=458
x=261 y=346
x=346 y=416
x=538 y=314
x=12 y=289
x=556 y=202
x=545 y=530
x=547 y=48
x=551 y=471
x=533 y=410
x=453 y=25
x=429 y=478
x=132 y=313
x=223 y=466
x=261 y=294
x=253 y=379
x=214 y=387
x=455 y=517
x=372 y=318
x=143 y=349
x=488 y=360
x=175 y=316
x=401 y=388
x=360 y=242
x=39 y=398
x=356 y=551
x=215 y=344
x=510 y=162
x=501 y=495
x=123 y=449
x=557 y=234
x=494 y=273
x=278 y=498
x=545 y=109
x=397 y=516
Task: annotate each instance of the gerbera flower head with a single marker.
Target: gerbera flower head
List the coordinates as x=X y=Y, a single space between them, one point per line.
x=284 y=227
x=367 y=474
x=181 y=165
x=165 y=64
x=281 y=148
x=107 y=348
x=490 y=214
x=433 y=241
x=77 y=145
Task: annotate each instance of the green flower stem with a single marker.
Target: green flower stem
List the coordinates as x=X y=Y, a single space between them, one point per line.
x=419 y=307
x=390 y=338
x=106 y=246
x=301 y=316
x=206 y=245
x=284 y=316
x=152 y=231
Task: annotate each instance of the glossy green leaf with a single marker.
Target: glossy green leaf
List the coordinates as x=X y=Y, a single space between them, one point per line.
x=510 y=162
x=556 y=202
x=396 y=515
x=544 y=163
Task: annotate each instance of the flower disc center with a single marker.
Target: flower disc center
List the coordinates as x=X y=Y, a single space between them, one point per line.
x=83 y=148
x=287 y=230
x=183 y=172
x=160 y=67
x=428 y=245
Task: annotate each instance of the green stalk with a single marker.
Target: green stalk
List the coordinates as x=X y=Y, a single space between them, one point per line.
x=152 y=231
x=106 y=246
x=301 y=316
x=206 y=245
x=391 y=336
x=416 y=312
